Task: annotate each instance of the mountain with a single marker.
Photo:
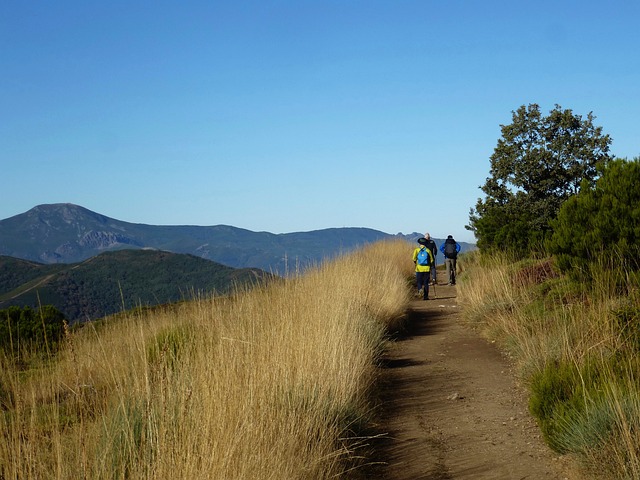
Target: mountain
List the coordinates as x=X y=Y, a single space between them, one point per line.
x=67 y=233
x=113 y=281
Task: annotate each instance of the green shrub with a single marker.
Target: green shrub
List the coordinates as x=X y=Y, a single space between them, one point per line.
x=560 y=393
x=576 y=409
x=586 y=430
x=601 y=222
x=25 y=330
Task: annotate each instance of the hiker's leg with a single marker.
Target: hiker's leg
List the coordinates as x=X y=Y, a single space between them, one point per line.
x=423 y=283
x=453 y=271
x=433 y=272
x=447 y=263
x=426 y=285
x=420 y=283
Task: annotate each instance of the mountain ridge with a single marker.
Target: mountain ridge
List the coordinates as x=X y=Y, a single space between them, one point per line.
x=68 y=233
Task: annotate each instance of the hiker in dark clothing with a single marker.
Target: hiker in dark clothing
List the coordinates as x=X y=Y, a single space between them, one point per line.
x=450 y=249
x=431 y=245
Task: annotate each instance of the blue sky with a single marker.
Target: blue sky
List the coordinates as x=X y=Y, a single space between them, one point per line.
x=288 y=116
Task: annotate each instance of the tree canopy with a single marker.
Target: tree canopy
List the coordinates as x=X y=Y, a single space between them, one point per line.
x=603 y=219
x=538 y=163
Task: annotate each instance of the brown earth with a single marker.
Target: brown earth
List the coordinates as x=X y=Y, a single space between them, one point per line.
x=451 y=405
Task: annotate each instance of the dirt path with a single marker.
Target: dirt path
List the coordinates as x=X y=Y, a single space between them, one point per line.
x=452 y=407
x=42 y=281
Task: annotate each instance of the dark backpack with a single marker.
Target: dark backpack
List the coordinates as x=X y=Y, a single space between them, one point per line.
x=450 y=249
x=423 y=257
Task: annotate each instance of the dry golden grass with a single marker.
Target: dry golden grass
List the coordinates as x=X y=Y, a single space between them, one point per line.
x=546 y=320
x=273 y=383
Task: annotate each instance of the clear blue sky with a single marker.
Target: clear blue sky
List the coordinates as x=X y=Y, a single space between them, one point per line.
x=288 y=116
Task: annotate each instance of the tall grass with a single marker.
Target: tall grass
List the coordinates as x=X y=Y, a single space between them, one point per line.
x=271 y=383
x=576 y=345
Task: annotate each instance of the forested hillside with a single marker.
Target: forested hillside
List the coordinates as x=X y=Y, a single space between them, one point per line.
x=116 y=281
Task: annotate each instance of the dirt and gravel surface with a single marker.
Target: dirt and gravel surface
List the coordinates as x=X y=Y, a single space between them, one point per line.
x=452 y=407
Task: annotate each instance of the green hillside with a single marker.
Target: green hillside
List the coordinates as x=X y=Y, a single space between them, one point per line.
x=116 y=281
x=15 y=273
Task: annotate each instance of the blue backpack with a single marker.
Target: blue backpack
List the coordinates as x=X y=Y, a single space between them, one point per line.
x=423 y=257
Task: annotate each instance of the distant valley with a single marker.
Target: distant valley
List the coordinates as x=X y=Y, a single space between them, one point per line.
x=89 y=265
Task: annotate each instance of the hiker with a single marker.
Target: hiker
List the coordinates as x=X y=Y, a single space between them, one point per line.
x=423 y=258
x=450 y=249
x=431 y=245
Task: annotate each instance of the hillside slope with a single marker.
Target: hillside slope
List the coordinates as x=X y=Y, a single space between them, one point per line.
x=114 y=281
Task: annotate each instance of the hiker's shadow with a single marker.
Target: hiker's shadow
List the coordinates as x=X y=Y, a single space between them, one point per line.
x=398 y=362
x=418 y=323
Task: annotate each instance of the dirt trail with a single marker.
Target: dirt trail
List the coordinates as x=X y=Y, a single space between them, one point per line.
x=452 y=408
x=42 y=281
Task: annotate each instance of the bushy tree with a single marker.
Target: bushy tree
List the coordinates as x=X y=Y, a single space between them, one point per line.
x=603 y=219
x=22 y=328
x=539 y=162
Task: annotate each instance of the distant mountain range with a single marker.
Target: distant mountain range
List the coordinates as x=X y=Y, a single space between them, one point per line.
x=67 y=233
x=115 y=281
x=88 y=265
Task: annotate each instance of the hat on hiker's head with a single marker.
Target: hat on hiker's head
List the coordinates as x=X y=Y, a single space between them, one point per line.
x=449 y=236
x=427 y=236
x=422 y=241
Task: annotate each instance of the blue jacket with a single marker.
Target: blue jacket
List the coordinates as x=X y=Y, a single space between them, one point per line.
x=444 y=244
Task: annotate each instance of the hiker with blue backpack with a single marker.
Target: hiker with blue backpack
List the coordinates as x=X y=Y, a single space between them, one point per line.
x=423 y=259
x=450 y=249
